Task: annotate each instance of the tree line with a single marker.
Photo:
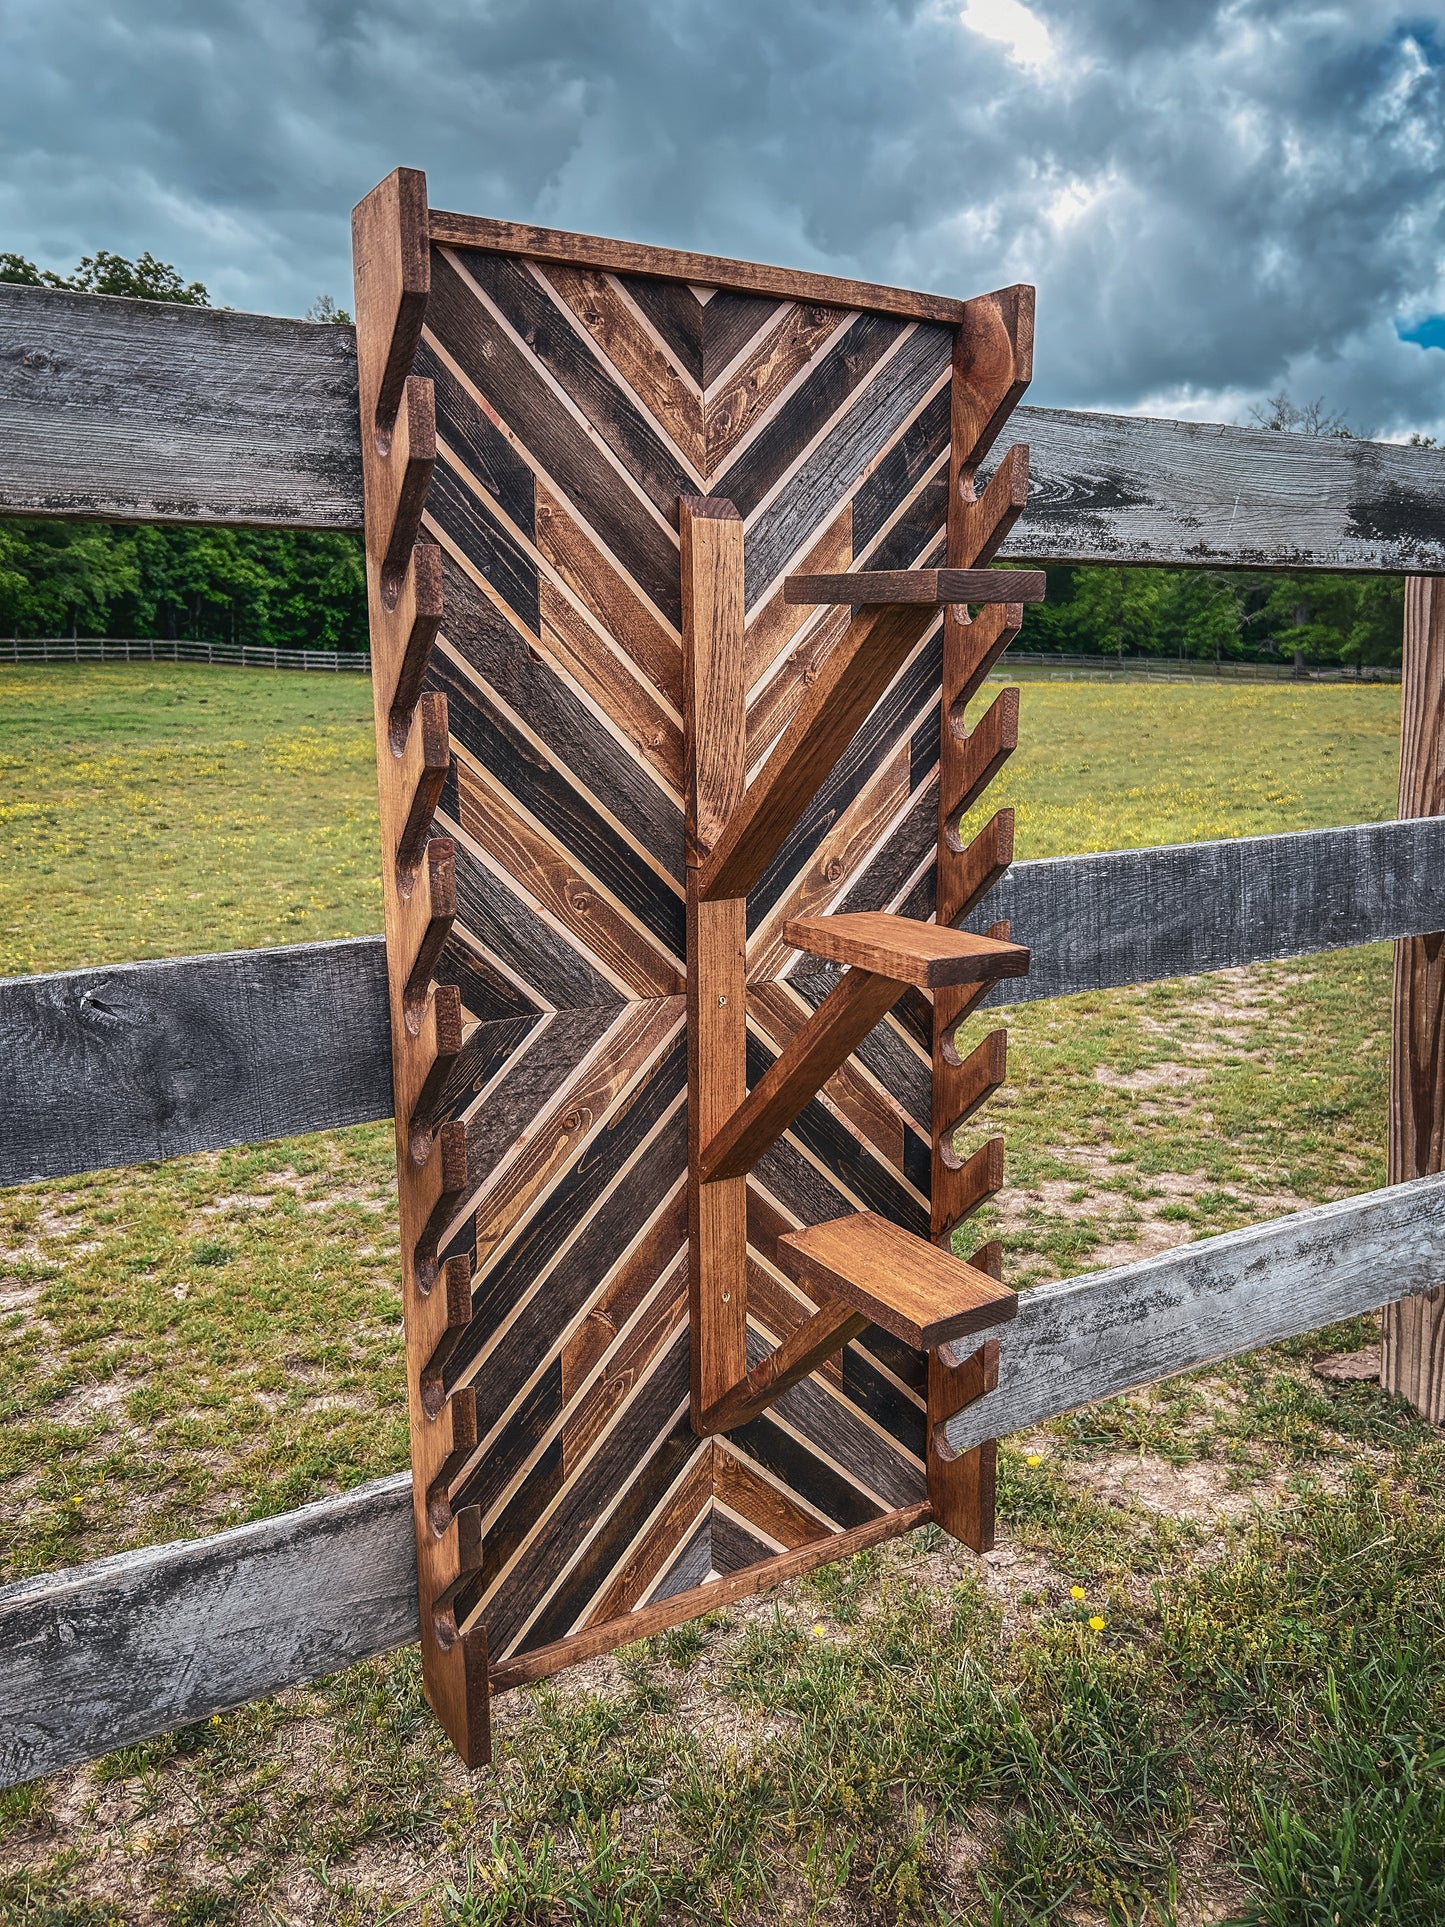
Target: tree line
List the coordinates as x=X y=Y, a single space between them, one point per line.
x=305 y=589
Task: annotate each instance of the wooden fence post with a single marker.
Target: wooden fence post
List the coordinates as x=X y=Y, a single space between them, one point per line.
x=1412 y=1351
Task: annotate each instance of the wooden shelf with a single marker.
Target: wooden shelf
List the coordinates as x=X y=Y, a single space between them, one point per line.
x=911 y=1288
x=922 y=954
x=934 y=588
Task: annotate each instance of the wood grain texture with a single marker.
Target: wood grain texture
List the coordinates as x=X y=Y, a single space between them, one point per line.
x=104 y=1655
x=923 y=954
x=1138 y=916
x=141 y=411
x=88 y=1656
x=392 y=271
x=714 y=1594
x=156 y=1060
x=1091 y=1337
x=674 y=264
x=922 y=1295
x=797 y=1357
x=961 y=1485
x=933 y=587
x=863 y=662
x=1412 y=1354
x=820 y=1047
x=144 y=411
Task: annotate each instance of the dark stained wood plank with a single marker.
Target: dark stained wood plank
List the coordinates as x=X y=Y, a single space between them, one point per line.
x=912 y=697
x=597 y=765
x=831 y=471
x=914 y=455
x=544 y=789
x=144 y=411
x=543 y=321
x=178 y=1047
x=798 y=1355
x=684 y=1514
x=674 y=1608
x=630 y=348
x=864 y=661
x=756 y=470
x=514 y=387
x=780 y=355
x=810 y=1058
x=677 y=315
x=611 y=1215
x=936 y=587
x=477 y=443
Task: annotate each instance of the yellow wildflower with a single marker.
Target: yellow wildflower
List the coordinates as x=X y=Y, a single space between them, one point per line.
x=1096 y=1623
x=1034 y=1458
x=1076 y=1592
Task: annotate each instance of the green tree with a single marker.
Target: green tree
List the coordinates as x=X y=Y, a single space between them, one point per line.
x=144 y=279
x=264 y=586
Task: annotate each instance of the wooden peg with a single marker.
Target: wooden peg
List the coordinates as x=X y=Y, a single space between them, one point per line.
x=414 y=623
x=439 y=1036
x=404 y=589
x=391 y=250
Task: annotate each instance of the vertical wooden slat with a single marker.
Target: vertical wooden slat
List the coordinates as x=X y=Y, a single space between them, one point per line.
x=714 y=720
x=1412 y=1355
x=398 y=443
x=992 y=363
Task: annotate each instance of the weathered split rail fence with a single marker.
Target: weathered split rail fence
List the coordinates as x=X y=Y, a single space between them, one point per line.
x=139 y=412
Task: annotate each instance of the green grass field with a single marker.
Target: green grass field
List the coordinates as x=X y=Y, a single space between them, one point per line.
x=1252 y=1733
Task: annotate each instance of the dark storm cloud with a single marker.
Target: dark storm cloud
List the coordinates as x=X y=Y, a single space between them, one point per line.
x=1215 y=199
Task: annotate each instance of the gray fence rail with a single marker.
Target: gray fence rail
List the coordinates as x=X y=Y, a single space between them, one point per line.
x=148 y=412
x=123 y=1064
x=114 y=1652
x=244 y=655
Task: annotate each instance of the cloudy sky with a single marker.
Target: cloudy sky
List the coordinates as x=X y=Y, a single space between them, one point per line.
x=1215 y=200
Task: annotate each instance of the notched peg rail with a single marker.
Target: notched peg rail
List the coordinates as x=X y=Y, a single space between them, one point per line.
x=665 y=596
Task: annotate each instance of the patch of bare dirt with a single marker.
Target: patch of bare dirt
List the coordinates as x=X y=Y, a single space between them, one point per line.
x=1350 y=1367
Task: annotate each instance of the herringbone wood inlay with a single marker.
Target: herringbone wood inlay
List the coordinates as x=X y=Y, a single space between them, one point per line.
x=573 y=409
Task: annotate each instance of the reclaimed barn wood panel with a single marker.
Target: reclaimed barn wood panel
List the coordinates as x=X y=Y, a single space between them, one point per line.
x=103 y=1655
x=569 y=425
x=1089 y=1338
x=110 y=1653
x=144 y=411
x=139 y=1061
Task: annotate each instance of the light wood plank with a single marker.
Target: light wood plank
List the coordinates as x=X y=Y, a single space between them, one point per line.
x=908 y=1286
x=924 y=954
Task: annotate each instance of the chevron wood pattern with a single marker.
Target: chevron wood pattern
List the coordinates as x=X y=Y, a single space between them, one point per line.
x=574 y=406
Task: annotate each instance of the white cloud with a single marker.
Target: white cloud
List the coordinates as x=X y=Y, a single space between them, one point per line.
x=1216 y=198
x=1029 y=42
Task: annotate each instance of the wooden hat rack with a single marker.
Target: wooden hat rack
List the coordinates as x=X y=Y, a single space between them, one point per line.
x=670 y=562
